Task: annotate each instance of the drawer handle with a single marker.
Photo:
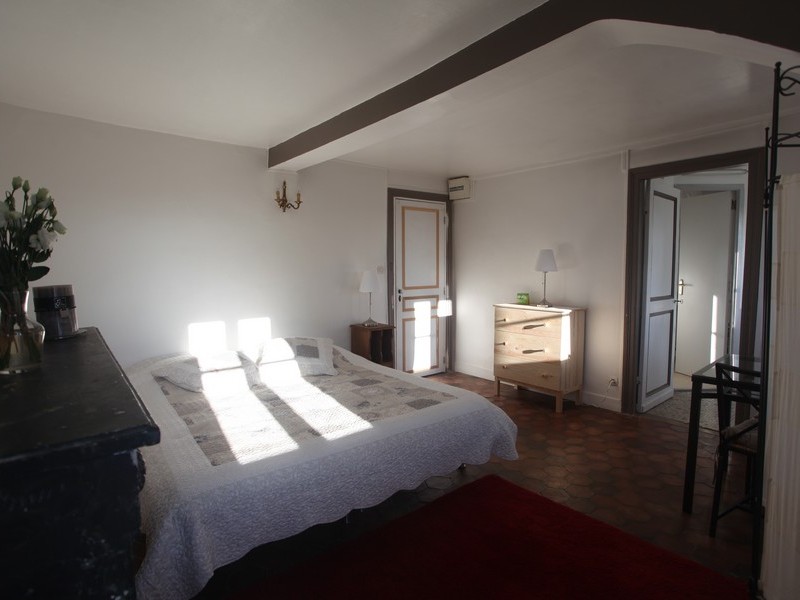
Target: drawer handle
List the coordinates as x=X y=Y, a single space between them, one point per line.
x=502 y=321
x=500 y=344
x=533 y=326
x=532 y=351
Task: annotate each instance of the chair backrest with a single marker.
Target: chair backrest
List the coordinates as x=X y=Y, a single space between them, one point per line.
x=735 y=384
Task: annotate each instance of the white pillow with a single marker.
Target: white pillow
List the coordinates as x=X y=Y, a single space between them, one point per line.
x=187 y=371
x=301 y=355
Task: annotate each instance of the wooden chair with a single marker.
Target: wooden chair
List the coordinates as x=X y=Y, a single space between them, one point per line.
x=735 y=385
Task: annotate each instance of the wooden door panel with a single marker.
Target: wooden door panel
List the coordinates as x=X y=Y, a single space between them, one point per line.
x=420 y=284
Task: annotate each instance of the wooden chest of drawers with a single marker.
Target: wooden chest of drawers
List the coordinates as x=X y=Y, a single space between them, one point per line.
x=539 y=348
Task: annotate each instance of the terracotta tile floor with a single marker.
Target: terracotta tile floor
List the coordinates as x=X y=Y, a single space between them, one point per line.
x=624 y=470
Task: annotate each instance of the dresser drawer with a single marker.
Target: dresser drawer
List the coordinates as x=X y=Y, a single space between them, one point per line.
x=545 y=374
x=526 y=347
x=536 y=322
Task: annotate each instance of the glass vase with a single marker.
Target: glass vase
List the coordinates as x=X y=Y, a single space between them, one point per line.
x=21 y=338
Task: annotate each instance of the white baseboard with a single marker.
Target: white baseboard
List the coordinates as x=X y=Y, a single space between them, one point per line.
x=590 y=398
x=476 y=371
x=601 y=401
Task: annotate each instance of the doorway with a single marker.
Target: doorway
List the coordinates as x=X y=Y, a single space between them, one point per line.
x=708 y=270
x=692 y=282
x=744 y=321
x=419 y=278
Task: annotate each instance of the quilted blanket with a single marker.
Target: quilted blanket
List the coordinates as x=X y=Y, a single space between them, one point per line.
x=214 y=491
x=244 y=424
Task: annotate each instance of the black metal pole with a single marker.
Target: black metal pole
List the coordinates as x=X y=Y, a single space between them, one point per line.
x=772 y=180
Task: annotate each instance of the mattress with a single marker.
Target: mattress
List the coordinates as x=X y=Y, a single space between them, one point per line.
x=332 y=443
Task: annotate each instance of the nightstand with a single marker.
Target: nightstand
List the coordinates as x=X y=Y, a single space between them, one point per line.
x=374 y=343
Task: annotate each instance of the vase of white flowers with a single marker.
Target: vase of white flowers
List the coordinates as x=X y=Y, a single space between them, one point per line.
x=27 y=233
x=21 y=338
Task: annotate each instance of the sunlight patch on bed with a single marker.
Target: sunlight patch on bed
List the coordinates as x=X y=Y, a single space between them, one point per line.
x=253 y=335
x=239 y=420
x=278 y=362
x=320 y=410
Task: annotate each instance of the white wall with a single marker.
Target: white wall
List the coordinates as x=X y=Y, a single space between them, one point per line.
x=165 y=231
x=579 y=211
x=738 y=139
x=417 y=182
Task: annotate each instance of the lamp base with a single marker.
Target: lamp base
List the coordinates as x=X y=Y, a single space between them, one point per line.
x=370 y=323
x=544 y=304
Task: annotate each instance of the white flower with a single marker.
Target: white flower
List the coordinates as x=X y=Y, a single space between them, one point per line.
x=43 y=240
x=13 y=219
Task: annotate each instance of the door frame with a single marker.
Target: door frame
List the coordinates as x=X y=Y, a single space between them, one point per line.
x=755 y=158
x=449 y=322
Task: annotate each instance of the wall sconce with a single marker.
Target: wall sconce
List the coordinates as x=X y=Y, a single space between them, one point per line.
x=283 y=202
x=369 y=284
x=545 y=263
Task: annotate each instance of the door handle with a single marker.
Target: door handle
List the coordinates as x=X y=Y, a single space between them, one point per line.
x=678 y=301
x=399 y=295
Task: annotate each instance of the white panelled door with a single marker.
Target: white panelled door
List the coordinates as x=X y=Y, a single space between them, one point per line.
x=420 y=280
x=660 y=295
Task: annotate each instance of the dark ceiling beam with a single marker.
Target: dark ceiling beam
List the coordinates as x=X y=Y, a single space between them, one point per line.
x=771 y=22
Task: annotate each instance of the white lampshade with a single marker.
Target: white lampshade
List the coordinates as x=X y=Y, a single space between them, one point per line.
x=369 y=282
x=546 y=262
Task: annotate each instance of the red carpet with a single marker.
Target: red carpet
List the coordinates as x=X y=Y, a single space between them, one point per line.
x=493 y=539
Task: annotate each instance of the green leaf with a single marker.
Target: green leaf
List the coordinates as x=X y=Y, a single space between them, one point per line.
x=37 y=273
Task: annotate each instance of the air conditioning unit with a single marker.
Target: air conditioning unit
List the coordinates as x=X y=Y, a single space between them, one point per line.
x=458 y=188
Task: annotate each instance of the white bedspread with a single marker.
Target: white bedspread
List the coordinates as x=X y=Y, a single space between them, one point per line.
x=198 y=517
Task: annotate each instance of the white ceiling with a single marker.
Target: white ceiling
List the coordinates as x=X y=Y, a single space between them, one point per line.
x=257 y=72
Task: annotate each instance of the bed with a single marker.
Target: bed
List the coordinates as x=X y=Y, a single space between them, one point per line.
x=253 y=452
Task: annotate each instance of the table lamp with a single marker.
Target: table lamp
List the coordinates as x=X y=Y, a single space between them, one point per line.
x=545 y=263
x=369 y=284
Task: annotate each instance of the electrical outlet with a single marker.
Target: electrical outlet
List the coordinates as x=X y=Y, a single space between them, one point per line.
x=612 y=382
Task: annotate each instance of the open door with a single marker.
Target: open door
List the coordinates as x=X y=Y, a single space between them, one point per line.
x=746 y=321
x=660 y=295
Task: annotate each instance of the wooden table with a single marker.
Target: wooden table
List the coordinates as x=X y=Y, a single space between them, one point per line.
x=707 y=374
x=70 y=474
